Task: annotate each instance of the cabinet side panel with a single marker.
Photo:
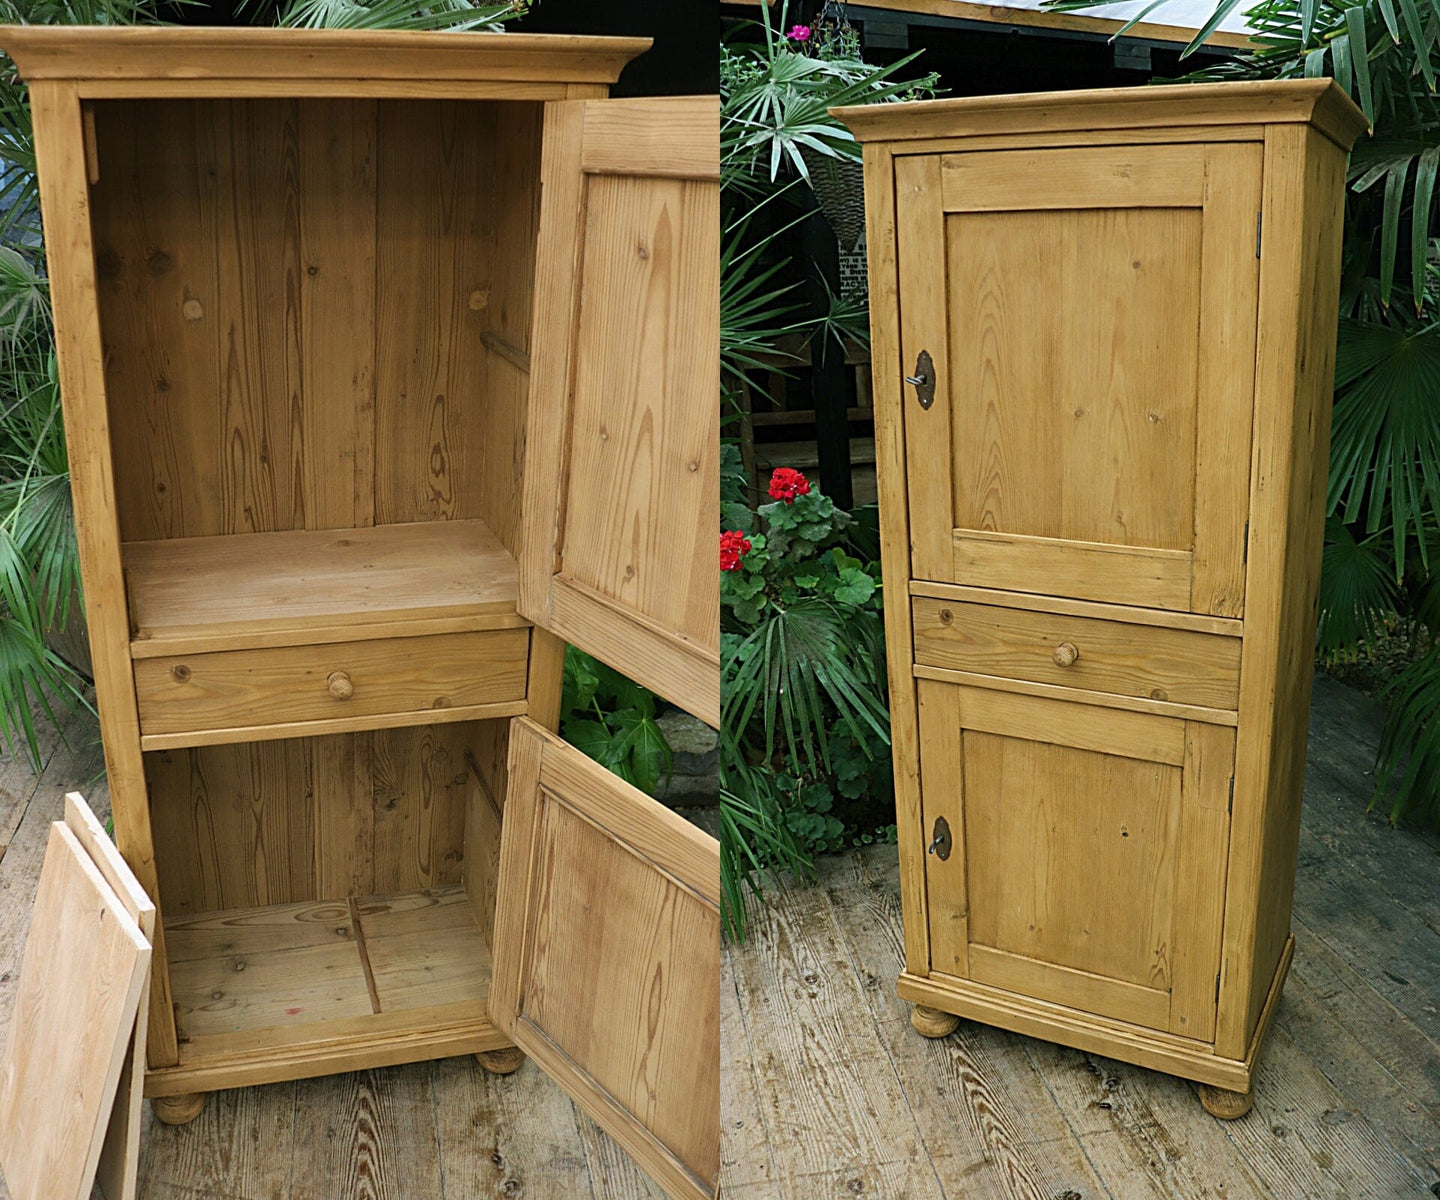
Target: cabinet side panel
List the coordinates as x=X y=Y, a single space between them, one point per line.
x=1299 y=281
x=67 y=210
x=483 y=816
x=515 y=177
x=890 y=475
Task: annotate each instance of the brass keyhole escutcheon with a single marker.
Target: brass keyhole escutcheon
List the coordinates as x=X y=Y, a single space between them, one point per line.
x=923 y=381
x=1065 y=654
x=940 y=843
x=339 y=685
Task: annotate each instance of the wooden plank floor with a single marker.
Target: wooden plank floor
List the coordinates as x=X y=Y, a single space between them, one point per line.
x=444 y=1130
x=829 y=1093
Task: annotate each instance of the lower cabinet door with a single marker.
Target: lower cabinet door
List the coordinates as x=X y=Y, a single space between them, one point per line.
x=607 y=956
x=1077 y=853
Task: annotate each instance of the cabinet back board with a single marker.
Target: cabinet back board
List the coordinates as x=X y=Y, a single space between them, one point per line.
x=315 y=312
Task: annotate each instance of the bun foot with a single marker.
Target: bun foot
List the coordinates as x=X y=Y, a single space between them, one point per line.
x=931 y=1022
x=1225 y=1104
x=178 y=1110
x=501 y=1062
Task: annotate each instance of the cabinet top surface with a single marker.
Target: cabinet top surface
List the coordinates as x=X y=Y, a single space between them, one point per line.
x=96 y=52
x=1319 y=102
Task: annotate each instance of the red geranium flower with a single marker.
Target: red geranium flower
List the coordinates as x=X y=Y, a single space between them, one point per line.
x=799 y=33
x=734 y=545
x=786 y=483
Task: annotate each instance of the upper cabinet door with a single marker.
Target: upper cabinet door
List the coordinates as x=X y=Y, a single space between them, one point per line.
x=1088 y=315
x=622 y=440
x=607 y=956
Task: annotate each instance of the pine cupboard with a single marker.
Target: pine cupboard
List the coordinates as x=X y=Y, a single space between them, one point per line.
x=389 y=366
x=1103 y=326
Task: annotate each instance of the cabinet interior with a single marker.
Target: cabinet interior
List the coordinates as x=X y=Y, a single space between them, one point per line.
x=316 y=325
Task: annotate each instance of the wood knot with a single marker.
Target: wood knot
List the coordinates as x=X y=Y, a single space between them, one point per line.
x=180 y=673
x=192 y=309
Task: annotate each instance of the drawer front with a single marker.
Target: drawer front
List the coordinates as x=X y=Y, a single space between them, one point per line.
x=1182 y=666
x=339 y=681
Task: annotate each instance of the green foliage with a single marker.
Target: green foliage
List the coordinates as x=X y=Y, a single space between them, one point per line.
x=805 y=764
x=776 y=92
x=399 y=14
x=805 y=728
x=612 y=719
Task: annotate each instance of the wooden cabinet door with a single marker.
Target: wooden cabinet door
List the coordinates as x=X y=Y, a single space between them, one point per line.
x=1087 y=853
x=607 y=956
x=621 y=506
x=1088 y=315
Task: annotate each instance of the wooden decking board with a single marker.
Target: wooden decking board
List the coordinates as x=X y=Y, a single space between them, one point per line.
x=365 y=1133
x=1348 y=1092
x=1005 y=1112
x=835 y=1108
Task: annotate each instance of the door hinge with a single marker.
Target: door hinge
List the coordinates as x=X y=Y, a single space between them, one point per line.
x=1230 y=804
x=1259 y=216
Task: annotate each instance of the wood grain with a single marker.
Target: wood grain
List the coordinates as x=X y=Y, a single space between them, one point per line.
x=71 y=254
x=1153 y=663
x=1125 y=296
x=621 y=425
x=285 y=686
x=116 y=1173
x=1112 y=110
x=1294 y=365
x=70 y=1031
x=638 y=1050
x=197 y=55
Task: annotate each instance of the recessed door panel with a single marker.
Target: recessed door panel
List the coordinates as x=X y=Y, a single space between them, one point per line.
x=607 y=956
x=1088 y=852
x=1089 y=317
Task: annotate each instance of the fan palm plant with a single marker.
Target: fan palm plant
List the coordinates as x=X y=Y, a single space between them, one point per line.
x=804 y=727
x=1381 y=574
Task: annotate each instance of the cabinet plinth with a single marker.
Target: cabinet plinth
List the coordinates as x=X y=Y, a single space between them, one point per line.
x=1101 y=530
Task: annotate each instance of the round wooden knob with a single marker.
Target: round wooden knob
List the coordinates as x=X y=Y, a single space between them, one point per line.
x=1065 y=654
x=340 y=686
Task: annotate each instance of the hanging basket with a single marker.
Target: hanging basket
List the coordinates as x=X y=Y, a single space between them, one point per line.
x=839 y=185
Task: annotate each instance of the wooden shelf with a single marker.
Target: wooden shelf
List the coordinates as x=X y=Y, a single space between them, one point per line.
x=328 y=985
x=256 y=590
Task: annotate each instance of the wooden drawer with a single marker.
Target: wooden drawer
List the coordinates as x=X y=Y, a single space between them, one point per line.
x=198 y=698
x=1151 y=662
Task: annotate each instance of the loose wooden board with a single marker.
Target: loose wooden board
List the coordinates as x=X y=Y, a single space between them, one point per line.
x=85 y=968
x=120 y=1154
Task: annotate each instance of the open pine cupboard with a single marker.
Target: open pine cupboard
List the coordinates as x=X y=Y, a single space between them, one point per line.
x=1103 y=329
x=389 y=365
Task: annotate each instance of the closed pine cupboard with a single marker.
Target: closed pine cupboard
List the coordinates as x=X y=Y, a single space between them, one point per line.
x=1103 y=332
x=389 y=366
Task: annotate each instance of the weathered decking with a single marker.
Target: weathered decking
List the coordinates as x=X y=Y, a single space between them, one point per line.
x=829 y=1093
x=445 y=1130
